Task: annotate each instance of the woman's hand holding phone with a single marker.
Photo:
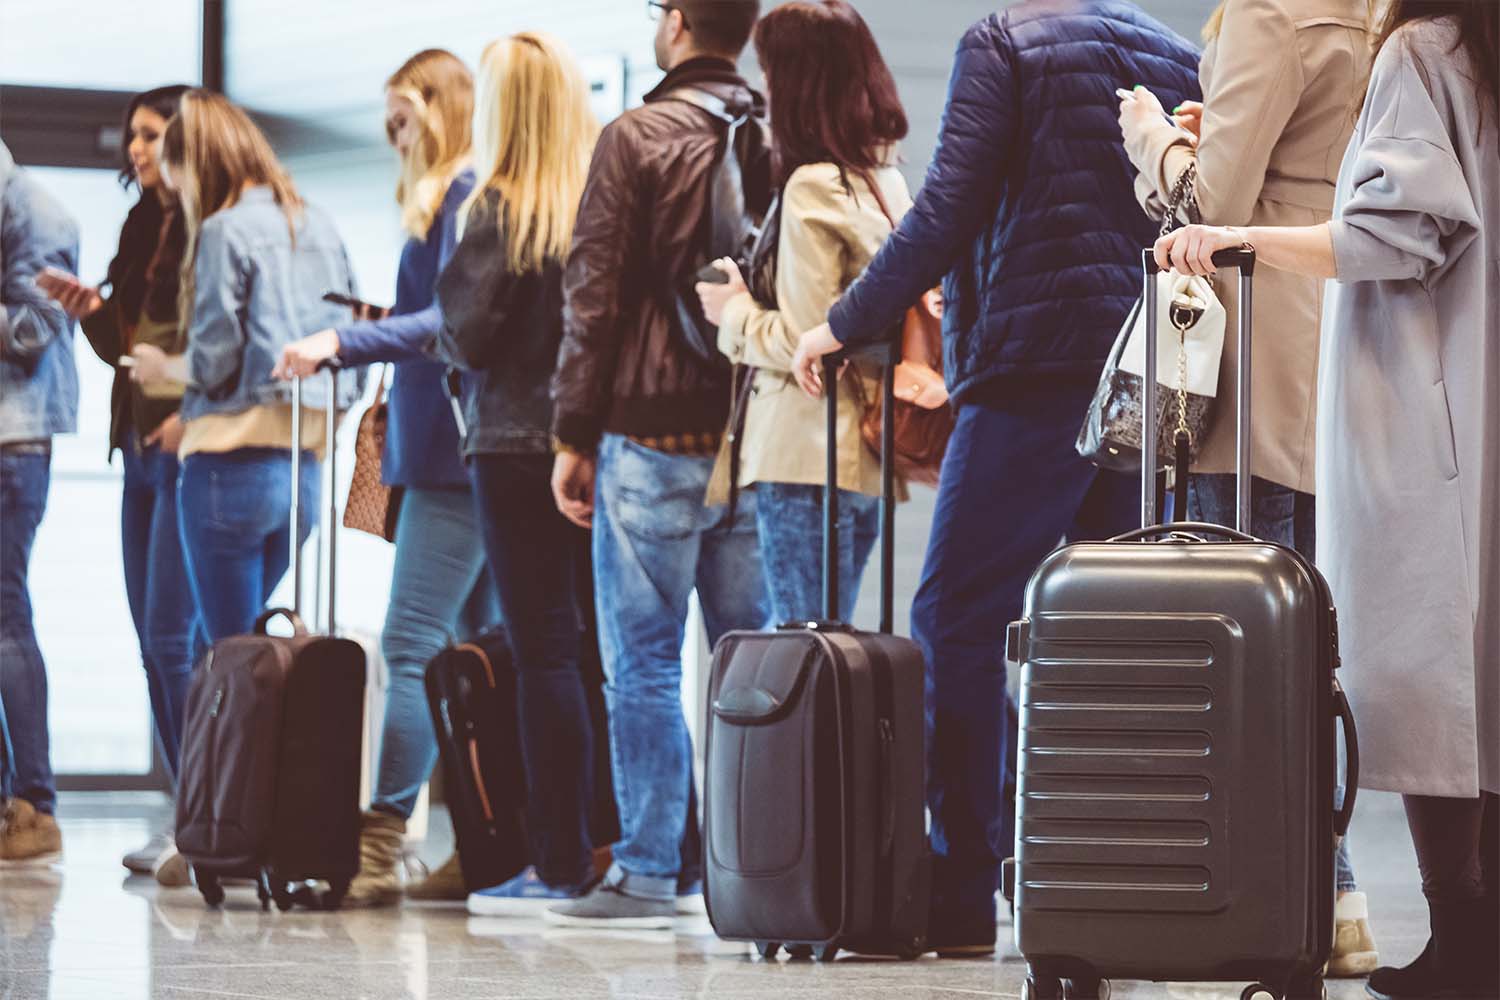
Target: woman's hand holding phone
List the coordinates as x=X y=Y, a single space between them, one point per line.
x=77 y=299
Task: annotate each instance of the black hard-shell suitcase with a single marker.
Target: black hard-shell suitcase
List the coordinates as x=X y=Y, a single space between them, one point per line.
x=1179 y=705
x=269 y=785
x=815 y=826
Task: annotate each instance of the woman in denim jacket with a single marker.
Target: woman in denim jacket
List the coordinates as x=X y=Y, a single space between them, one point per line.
x=501 y=297
x=440 y=585
x=140 y=307
x=258 y=262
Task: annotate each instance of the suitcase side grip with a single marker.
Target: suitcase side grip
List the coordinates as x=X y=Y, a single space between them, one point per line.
x=1345 y=814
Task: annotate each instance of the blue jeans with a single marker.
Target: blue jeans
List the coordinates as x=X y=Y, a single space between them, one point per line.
x=1012 y=486
x=540 y=562
x=654 y=542
x=25 y=475
x=156 y=585
x=235 y=508
x=789 y=518
x=1285 y=516
x=440 y=592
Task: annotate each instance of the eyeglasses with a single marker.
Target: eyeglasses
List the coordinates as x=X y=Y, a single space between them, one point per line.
x=656 y=10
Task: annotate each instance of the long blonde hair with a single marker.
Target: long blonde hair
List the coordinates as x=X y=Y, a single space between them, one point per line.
x=441 y=89
x=533 y=134
x=212 y=151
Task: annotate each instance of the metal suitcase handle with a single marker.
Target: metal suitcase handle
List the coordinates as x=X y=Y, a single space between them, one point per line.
x=333 y=367
x=1243 y=260
x=1183 y=528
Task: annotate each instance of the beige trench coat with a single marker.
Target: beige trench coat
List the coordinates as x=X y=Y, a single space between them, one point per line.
x=1281 y=87
x=828 y=234
x=1409 y=447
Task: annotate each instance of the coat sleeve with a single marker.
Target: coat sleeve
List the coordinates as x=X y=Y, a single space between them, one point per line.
x=605 y=235
x=1409 y=208
x=957 y=198
x=216 y=340
x=101 y=329
x=36 y=233
x=810 y=269
x=1254 y=90
x=474 y=292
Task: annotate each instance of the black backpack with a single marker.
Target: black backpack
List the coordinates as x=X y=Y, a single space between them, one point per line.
x=728 y=228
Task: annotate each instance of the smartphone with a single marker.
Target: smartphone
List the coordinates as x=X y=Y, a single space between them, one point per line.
x=711 y=275
x=344 y=300
x=1122 y=93
x=126 y=361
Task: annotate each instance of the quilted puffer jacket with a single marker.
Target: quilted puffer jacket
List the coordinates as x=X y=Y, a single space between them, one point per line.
x=1028 y=213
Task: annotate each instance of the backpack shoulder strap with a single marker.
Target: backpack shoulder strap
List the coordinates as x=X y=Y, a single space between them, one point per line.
x=711 y=103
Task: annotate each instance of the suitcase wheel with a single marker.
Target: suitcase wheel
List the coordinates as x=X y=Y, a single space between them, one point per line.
x=263 y=890
x=334 y=898
x=208 y=885
x=1259 y=991
x=801 y=952
x=1041 y=988
x=282 y=894
x=826 y=952
x=768 y=949
x=1086 y=989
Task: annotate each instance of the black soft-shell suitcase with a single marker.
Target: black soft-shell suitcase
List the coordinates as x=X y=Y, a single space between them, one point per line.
x=471 y=691
x=1176 y=813
x=814 y=821
x=269 y=786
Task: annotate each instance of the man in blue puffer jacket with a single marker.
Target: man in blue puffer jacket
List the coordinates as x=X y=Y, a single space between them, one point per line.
x=1028 y=211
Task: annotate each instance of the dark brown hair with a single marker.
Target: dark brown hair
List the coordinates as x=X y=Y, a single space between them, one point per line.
x=720 y=27
x=1478 y=24
x=833 y=99
x=143 y=274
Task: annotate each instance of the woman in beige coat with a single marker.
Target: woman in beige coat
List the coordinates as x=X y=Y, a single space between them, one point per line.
x=1409 y=456
x=833 y=144
x=1281 y=84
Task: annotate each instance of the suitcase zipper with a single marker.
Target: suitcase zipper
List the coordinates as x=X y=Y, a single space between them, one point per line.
x=887 y=785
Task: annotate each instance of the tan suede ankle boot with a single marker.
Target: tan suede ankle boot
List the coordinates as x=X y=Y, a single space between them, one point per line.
x=380 y=839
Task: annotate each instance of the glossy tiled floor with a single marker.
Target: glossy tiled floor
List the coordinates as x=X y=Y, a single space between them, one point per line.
x=82 y=931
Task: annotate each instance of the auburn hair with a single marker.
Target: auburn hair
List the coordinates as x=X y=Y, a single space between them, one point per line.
x=534 y=132
x=441 y=89
x=1478 y=23
x=833 y=98
x=212 y=151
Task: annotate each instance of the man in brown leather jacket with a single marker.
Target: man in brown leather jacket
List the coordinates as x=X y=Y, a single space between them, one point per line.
x=637 y=420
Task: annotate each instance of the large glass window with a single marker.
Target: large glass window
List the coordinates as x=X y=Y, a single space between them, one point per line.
x=100 y=716
x=106 y=46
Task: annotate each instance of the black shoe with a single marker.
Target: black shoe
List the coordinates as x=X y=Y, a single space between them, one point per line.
x=1457 y=964
x=975 y=940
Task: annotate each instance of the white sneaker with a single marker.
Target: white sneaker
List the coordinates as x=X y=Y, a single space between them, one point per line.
x=142 y=860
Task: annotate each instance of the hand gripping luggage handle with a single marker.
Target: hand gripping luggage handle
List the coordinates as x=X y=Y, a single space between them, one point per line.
x=1242 y=259
x=831 y=364
x=333 y=367
x=1345 y=815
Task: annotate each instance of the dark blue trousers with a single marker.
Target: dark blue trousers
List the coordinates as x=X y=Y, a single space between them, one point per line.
x=1012 y=489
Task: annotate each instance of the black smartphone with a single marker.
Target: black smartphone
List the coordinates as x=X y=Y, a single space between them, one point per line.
x=343 y=300
x=711 y=275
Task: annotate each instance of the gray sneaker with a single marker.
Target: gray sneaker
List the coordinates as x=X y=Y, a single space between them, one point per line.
x=608 y=907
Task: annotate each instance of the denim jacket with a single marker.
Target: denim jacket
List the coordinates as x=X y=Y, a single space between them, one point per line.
x=38 y=378
x=256 y=288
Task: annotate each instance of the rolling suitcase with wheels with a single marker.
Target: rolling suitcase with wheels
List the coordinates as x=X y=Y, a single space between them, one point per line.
x=1179 y=714
x=269 y=785
x=815 y=833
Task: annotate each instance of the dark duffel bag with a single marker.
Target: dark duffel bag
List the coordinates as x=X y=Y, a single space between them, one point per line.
x=269 y=783
x=1179 y=720
x=815 y=827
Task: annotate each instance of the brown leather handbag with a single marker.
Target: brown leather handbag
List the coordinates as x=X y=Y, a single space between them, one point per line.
x=923 y=419
x=372 y=506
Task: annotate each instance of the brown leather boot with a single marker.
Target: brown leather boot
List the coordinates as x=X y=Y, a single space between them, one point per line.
x=28 y=836
x=445 y=884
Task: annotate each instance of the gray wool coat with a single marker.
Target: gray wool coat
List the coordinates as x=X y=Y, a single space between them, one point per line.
x=1409 y=430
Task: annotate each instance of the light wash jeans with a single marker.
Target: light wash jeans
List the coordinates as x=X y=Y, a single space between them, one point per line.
x=789 y=518
x=440 y=592
x=654 y=543
x=1285 y=516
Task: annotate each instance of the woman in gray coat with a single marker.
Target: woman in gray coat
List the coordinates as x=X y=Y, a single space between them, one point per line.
x=1409 y=455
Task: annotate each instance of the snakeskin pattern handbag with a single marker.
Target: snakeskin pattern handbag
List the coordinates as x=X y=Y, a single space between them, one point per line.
x=1111 y=432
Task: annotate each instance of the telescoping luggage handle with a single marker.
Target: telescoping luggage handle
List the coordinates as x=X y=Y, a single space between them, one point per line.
x=333 y=368
x=1243 y=260
x=886 y=355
